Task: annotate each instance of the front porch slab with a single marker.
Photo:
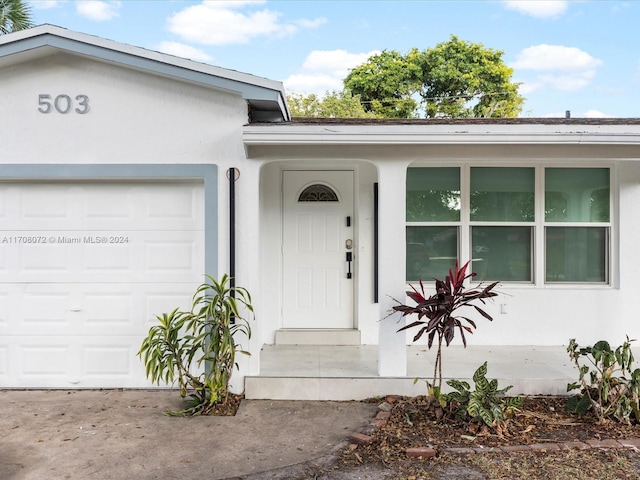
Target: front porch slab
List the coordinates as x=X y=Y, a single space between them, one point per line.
x=330 y=372
x=299 y=336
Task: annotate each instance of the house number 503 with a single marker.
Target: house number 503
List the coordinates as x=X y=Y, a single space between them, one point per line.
x=63 y=104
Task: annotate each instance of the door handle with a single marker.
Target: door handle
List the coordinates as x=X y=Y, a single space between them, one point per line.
x=349 y=260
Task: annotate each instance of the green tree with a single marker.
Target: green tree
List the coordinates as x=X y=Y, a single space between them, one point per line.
x=454 y=79
x=335 y=104
x=14 y=15
x=387 y=83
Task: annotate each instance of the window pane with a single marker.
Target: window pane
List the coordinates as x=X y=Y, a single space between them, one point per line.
x=431 y=252
x=502 y=253
x=502 y=194
x=577 y=254
x=576 y=195
x=433 y=194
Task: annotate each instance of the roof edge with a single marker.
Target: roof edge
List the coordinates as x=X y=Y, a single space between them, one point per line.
x=263 y=95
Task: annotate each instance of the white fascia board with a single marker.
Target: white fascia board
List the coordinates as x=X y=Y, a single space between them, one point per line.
x=329 y=134
x=49 y=36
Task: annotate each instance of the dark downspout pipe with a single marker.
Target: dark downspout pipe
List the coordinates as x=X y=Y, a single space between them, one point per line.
x=375 y=243
x=232 y=230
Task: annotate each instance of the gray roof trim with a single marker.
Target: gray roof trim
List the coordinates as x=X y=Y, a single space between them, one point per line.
x=624 y=132
x=261 y=94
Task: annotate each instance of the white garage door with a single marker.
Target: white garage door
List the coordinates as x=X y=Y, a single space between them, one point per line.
x=84 y=269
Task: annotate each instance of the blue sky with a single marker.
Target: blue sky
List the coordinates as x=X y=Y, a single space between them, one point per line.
x=577 y=55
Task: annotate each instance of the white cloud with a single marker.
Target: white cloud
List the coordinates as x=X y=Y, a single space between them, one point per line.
x=555 y=57
x=596 y=114
x=46 y=4
x=315 y=23
x=184 y=51
x=324 y=70
x=98 y=10
x=538 y=8
x=221 y=23
x=307 y=84
x=568 y=82
x=559 y=67
x=528 y=87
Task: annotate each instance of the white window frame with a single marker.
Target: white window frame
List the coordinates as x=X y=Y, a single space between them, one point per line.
x=539 y=226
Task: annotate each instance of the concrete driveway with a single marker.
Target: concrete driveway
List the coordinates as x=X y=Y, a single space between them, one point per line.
x=123 y=434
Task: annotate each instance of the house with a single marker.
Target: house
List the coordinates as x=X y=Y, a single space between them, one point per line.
x=126 y=174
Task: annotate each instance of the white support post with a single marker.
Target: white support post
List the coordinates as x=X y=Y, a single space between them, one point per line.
x=392 y=347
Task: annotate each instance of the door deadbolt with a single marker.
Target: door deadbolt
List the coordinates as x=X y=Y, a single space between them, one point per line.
x=348 y=244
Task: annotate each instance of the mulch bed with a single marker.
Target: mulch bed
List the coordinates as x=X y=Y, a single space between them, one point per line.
x=228 y=408
x=542 y=419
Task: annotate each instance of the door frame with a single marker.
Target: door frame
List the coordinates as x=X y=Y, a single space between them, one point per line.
x=353 y=235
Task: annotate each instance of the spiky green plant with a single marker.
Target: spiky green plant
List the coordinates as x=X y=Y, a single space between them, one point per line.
x=203 y=339
x=14 y=15
x=440 y=314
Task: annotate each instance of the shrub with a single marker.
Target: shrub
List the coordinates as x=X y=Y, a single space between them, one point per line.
x=203 y=339
x=439 y=314
x=612 y=389
x=485 y=403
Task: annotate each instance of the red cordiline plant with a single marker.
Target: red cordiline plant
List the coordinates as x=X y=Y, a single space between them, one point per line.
x=439 y=314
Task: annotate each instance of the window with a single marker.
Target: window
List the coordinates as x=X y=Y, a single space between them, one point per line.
x=433 y=219
x=318 y=193
x=502 y=216
x=508 y=220
x=577 y=215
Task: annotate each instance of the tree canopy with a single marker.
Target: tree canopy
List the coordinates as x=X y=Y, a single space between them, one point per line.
x=387 y=83
x=335 y=104
x=453 y=79
x=14 y=15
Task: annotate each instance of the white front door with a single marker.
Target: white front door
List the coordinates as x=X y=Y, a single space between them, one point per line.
x=318 y=236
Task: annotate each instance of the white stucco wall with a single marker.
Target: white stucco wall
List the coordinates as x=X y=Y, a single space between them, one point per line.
x=536 y=314
x=137 y=118
x=134 y=118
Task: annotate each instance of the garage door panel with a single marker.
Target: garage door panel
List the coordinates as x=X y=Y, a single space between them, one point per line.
x=44 y=309
x=45 y=204
x=103 y=206
x=38 y=260
x=84 y=269
x=158 y=303
x=63 y=310
x=107 y=309
x=82 y=362
x=142 y=256
x=105 y=360
x=5 y=314
x=4 y=363
x=172 y=254
x=51 y=360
